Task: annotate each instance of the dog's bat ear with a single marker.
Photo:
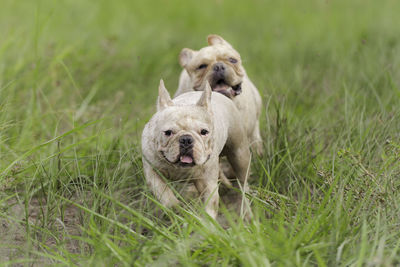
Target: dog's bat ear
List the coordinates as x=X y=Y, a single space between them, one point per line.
x=214 y=39
x=164 y=99
x=205 y=99
x=185 y=56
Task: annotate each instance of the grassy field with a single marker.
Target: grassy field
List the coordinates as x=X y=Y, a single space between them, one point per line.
x=79 y=79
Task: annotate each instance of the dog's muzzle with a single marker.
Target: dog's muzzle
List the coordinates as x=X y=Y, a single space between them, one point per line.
x=186 y=143
x=220 y=84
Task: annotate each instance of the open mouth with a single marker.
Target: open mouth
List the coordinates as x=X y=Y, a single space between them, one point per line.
x=221 y=86
x=183 y=160
x=186 y=160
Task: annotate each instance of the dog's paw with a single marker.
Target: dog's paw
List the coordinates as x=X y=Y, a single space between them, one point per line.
x=258 y=148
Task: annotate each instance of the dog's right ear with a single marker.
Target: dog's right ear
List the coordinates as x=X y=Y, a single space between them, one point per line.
x=164 y=99
x=214 y=39
x=205 y=99
x=185 y=56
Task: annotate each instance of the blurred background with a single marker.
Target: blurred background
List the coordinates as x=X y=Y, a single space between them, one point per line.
x=57 y=54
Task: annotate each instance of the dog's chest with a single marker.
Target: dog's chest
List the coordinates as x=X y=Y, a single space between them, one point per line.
x=184 y=174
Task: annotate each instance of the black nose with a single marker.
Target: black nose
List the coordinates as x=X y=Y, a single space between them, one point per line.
x=219 y=67
x=186 y=140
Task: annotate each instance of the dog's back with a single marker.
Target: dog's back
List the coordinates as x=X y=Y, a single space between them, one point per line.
x=226 y=115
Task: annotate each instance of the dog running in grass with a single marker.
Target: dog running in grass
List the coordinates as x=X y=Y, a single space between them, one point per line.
x=220 y=65
x=185 y=139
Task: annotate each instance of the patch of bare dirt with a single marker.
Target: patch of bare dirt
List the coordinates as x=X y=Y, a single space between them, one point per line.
x=16 y=243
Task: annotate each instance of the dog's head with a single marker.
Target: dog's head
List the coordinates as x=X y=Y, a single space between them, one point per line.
x=184 y=133
x=219 y=64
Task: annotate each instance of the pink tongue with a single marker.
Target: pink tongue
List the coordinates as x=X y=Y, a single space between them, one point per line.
x=186 y=159
x=220 y=87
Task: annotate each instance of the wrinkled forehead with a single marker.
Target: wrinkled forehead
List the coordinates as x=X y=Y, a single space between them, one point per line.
x=185 y=117
x=216 y=51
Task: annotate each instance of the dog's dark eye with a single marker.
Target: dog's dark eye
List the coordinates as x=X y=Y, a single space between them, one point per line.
x=202 y=66
x=203 y=132
x=232 y=60
x=168 y=132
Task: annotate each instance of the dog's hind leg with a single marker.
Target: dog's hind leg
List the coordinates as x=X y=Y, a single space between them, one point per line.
x=239 y=157
x=256 y=141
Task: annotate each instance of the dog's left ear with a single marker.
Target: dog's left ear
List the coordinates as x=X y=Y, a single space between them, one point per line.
x=214 y=39
x=164 y=99
x=205 y=99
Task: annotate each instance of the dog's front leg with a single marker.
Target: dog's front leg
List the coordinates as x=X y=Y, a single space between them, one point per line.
x=207 y=185
x=159 y=188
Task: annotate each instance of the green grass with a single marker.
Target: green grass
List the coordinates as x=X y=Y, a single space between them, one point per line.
x=79 y=79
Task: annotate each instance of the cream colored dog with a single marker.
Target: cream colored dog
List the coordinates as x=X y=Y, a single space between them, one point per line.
x=221 y=66
x=185 y=139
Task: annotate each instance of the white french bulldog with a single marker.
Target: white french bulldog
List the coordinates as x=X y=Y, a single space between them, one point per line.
x=185 y=139
x=220 y=65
